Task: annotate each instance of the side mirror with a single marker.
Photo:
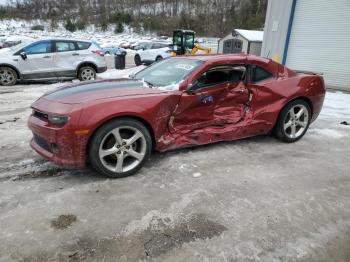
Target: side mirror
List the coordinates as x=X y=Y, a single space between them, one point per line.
x=191 y=88
x=23 y=55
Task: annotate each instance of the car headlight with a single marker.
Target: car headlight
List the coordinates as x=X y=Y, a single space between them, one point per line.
x=58 y=120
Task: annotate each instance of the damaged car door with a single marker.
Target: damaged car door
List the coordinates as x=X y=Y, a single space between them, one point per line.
x=216 y=99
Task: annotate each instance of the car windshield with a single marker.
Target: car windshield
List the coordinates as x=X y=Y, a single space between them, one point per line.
x=169 y=73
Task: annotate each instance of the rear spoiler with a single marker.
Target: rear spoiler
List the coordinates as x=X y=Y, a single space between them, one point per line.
x=308 y=72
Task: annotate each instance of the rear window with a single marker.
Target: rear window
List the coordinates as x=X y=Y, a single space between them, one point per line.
x=156 y=46
x=259 y=74
x=65 y=46
x=83 y=45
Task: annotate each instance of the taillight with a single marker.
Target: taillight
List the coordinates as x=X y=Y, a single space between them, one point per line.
x=99 y=52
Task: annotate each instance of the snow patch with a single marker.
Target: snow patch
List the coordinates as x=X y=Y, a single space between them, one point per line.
x=115 y=73
x=195 y=175
x=326 y=132
x=336 y=106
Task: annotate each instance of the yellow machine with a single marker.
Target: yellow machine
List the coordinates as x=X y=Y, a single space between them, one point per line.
x=199 y=47
x=183 y=43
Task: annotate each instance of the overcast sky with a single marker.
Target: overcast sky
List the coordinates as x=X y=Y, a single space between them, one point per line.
x=3 y=2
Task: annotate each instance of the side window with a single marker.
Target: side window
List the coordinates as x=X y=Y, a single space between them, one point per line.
x=222 y=74
x=258 y=74
x=83 y=45
x=65 y=46
x=38 y=48
x=189 y=41
x=156 y=46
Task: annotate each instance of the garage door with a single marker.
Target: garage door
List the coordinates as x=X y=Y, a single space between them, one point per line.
x=320 y=40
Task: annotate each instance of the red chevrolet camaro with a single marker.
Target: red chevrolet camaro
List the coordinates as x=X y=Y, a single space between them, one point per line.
x=183 y=101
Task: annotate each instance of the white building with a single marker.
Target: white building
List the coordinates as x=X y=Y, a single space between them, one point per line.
x=311 y=35
x=240 y=40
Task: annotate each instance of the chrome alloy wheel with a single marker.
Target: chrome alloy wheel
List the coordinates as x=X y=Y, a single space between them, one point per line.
x=87 y=74
x=296 y=121
x=122 y=149
x=7 y=76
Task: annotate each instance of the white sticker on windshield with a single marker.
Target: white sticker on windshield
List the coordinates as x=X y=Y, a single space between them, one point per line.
x=184 y=67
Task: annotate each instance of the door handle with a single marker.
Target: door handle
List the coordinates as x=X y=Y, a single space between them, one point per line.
x=47 y=56
x=75 y=54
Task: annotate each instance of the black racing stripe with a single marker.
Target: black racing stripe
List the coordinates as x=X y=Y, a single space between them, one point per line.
x=92 y=87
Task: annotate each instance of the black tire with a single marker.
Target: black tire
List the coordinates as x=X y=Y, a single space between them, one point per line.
x=86 y=73
x=284 y=118
x=8 y=76
x=159 y=58
x=99 y=139
x=137 y=60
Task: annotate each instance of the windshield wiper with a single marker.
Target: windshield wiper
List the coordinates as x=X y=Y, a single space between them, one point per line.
x=149 y=84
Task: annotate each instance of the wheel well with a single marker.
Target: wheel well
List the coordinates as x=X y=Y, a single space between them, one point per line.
x=144 y=122
x=307 y=100
x=86 y=64
x=12 y=67
x=159 y=56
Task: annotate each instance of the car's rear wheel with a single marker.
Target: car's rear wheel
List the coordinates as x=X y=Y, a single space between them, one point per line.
x=8 y=76
x=159 y=58
x=137 y=60
x=120 y=148
x=87 y=73
x=293 y=121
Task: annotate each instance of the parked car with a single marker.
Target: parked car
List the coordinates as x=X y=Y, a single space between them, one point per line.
x=149 y=52
x=110 y=49
x=126 y=45
x=51 y=59
x=177 y=102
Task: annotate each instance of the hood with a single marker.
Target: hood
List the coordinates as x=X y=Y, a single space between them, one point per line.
x=5 y=51
x=100 y=89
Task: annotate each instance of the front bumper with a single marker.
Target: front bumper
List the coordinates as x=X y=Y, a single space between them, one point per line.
x=58 y=144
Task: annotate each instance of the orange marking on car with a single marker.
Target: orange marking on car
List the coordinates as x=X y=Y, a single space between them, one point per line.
x=82 y=132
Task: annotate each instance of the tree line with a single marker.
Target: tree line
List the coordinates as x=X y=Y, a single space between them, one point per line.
x=206 y=17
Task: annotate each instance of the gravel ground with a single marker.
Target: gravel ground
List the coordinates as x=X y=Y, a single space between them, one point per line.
x=250 y=200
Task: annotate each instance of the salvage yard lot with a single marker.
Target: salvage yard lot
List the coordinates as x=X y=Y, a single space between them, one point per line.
x=250 y=200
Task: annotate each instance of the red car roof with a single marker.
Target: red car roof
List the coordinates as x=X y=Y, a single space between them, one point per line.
x=227 y=57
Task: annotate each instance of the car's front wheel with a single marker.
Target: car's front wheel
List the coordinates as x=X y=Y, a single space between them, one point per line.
x=120 y=148
x=293 y=121
x=8 y=76
x=137 y=60
x=86 y=73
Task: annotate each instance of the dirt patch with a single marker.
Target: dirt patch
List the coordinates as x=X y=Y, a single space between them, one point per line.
x=63 y=221
x=198 y=227
x=13 y=120
x=160 y=237
x=156 y=240
x=54 y=172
